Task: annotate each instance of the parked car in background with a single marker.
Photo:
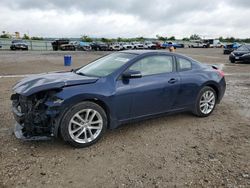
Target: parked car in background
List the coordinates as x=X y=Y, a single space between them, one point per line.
x=149 y=45
x=126 y=46
x=19 y=45
x=0 y=45
x=84 y=46
x=56 y=44
x=213 y=43
x=172 y=44
x=137 y=45
x=99 y=46
x=219 y=45
x=157 y=44
x=228 y=48
x=67 y=47
x=121 y=87
x=115 y=47
x=198 y=44
x=240 y=54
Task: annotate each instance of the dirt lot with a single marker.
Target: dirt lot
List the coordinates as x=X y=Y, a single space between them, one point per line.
x=173 y=151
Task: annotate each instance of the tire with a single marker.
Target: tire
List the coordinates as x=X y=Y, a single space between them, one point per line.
x=200 y=107
x=232 y=60
x=76 y=131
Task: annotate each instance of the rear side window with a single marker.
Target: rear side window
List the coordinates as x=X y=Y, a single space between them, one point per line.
x=153 y=65
x=184 y=64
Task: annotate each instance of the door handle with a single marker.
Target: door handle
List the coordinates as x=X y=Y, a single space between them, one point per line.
x=172 y=80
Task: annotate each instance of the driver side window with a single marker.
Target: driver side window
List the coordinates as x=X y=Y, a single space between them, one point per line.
x=153 y=65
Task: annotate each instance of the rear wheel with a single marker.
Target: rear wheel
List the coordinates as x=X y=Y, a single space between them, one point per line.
x=205 y=102
x=84 y=124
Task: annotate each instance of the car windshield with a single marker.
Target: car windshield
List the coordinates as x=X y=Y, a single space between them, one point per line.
x=106 y=65
x=18 y=41
x=244 y=48
x=248 y=47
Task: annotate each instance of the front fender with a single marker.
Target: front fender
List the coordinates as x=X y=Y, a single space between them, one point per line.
x=70 y=102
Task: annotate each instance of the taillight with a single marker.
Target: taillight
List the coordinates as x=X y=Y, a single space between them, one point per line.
x=221 y=73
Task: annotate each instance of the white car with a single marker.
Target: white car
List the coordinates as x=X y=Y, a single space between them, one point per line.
x=127 y=46
x=149 y=45
x=214 y=43
x=198 y=44
x=137 y=45
x=115 y=47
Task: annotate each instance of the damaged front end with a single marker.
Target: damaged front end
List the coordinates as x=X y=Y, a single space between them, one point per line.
x=35 y=115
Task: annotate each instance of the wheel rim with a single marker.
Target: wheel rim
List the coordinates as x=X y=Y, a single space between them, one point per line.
x=207 y=102
x=85 y=126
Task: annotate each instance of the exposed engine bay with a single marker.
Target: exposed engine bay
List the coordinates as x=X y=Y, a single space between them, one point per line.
x=32 y=114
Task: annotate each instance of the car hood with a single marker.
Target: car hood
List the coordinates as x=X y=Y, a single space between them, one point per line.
x=47 y=81
x=239 y=53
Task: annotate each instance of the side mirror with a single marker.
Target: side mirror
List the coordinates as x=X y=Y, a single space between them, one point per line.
x=131 y=74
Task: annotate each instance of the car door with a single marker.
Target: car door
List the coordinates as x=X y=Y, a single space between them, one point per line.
x=188 y=83
x=156 y=90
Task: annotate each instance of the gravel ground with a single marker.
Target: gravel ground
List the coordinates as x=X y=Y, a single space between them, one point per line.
x=172 y=151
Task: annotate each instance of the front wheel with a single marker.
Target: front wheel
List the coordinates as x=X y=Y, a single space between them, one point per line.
x=205 y=102
x=84 y=124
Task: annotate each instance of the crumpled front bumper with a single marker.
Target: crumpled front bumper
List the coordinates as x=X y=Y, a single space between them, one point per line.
x=36 y=116
x=19 y=134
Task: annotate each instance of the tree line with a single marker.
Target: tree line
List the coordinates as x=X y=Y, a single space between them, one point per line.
x=86 y=38
x=6 y=35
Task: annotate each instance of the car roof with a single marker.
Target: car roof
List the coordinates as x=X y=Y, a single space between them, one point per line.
x=140 y=52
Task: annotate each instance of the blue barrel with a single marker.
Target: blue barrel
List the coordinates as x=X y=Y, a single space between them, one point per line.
x=67 y=60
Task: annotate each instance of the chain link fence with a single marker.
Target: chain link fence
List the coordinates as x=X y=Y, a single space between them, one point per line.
x=45 y=45
x=32 y=44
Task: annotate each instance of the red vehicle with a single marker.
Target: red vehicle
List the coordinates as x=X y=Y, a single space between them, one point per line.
x=158 y=45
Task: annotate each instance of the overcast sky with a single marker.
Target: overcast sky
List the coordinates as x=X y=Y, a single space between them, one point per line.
x=126 y=18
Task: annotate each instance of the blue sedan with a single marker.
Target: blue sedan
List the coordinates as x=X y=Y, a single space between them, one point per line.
x=118 y=88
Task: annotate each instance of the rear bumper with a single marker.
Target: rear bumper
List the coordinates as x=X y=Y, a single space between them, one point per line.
x=222 y=89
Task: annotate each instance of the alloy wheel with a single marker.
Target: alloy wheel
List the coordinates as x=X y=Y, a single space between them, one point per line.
x=207 y=102
x=85 y=126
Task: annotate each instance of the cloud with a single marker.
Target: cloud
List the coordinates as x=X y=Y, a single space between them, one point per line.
x=127 y=18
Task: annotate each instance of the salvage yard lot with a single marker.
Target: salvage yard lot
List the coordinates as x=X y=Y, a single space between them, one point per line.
x=178 y=150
